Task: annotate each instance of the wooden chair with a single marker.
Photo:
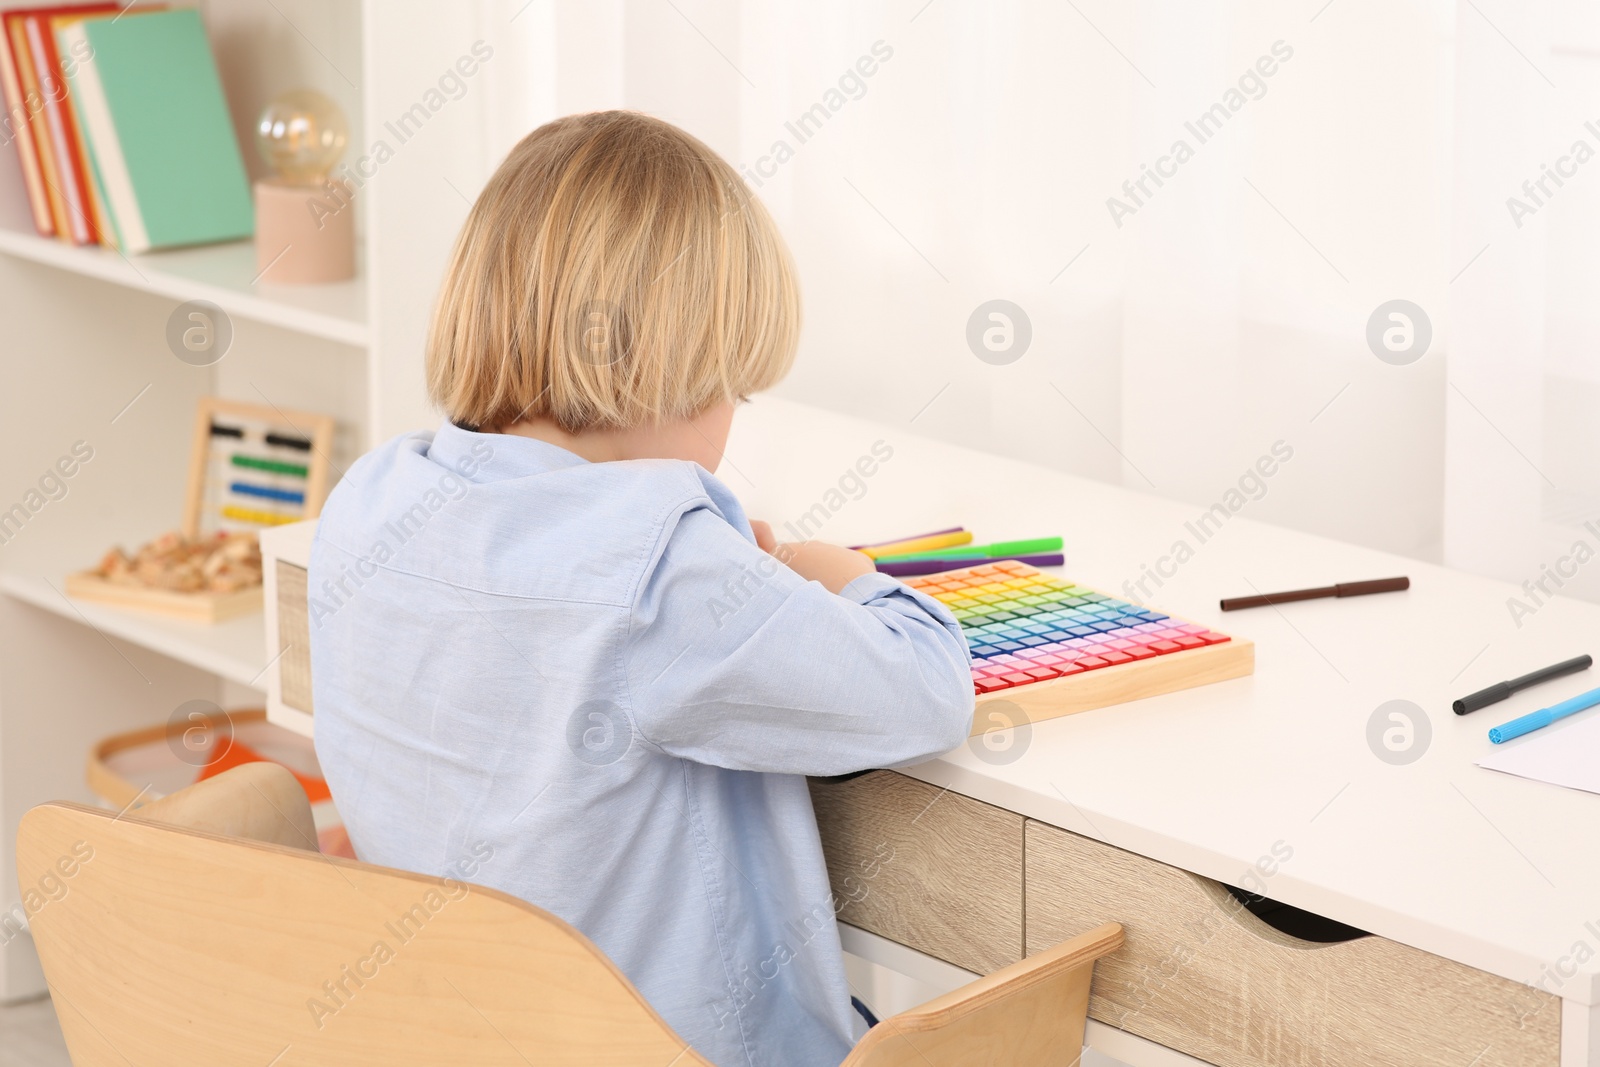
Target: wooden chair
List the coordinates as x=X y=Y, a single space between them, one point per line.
x=202 y=929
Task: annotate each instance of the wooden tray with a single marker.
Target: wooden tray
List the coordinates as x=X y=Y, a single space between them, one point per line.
x=195 y=607
x=1119 y=684
x=1016 y=583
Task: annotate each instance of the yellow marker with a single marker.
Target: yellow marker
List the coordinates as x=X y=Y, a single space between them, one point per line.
x=919 y=544
x=260 y=518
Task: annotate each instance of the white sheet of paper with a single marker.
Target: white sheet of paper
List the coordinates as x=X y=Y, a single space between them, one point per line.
x=1562 y=754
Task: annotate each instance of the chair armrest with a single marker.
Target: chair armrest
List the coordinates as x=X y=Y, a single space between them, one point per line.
x=1025 y=1015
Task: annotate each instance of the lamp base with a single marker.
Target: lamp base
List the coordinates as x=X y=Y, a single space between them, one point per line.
x=305 y=234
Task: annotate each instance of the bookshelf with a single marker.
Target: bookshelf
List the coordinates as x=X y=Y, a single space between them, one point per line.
x=234 y=650
x=85 y=359
x=223 y=274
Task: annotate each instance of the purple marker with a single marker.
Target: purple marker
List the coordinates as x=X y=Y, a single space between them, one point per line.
x=911 y=568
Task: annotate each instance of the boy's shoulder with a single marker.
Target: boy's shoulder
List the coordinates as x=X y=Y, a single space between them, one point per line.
x=505 y=517
x=412 y=463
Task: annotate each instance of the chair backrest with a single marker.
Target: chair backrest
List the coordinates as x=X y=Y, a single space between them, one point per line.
x=1026 y=1015
x=204 y=928
x=194 y=944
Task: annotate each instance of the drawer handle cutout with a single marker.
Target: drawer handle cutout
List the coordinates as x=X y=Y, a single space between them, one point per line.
x=1295 y=922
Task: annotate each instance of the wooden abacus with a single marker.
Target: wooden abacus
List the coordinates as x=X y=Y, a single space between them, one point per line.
x=251 y=468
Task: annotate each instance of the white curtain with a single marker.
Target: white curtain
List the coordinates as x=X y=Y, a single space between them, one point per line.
x=939 y=154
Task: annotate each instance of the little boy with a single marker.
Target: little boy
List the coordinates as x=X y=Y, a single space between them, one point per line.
x=530 y=666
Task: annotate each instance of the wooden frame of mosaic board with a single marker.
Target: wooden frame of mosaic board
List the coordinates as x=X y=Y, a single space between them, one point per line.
x=1090 y=650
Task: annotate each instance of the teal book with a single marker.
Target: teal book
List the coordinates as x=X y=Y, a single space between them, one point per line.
x=158 y=128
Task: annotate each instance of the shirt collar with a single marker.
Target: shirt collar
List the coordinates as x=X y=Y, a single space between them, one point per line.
x=491 y=457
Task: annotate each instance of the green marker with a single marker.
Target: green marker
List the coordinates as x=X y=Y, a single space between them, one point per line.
x=999 y=549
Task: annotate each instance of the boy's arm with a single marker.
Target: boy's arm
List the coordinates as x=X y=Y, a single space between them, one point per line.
x=815 y=561
x=736 y=661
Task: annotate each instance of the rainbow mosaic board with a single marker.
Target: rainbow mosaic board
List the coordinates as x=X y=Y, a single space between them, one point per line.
x=1054 y=648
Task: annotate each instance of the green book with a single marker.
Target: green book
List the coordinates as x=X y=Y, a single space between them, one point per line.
x=158 y=128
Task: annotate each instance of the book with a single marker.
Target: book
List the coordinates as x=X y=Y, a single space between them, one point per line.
x=33 y=128
x=60 y=139
x=105 y=222
x=159 y=131
x=23 y=108
x=16 y=131
x=70 y=120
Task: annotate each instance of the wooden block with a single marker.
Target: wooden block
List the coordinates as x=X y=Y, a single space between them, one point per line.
x=194 y=607
x=294 y=638
x=1119 y=684
x=931 y=869
x=1200 y=974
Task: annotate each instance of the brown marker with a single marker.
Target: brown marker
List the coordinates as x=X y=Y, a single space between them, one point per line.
x=1377 y=585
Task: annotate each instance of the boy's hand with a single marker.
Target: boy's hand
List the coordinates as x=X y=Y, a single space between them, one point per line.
x=818 y=561
x=815 y=561
x=764 y=539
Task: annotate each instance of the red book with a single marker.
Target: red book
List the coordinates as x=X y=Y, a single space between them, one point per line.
x=71 y=168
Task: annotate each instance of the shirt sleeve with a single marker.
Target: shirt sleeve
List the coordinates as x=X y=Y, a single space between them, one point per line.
x=734 y=660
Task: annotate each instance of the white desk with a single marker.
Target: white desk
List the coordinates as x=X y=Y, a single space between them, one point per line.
x=1492 y=871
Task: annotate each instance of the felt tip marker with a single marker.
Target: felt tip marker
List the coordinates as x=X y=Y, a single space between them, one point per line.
x=1501 y=690
x=912 y=567
x=1534 y=720
x=925 y=543
x=913 y=537
x=1377 y=585
x=999 y=549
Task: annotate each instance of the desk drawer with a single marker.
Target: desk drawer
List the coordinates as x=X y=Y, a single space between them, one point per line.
x=931 y=869
x=1200 y=974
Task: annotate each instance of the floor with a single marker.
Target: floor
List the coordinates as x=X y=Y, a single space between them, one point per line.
x=29 y=1036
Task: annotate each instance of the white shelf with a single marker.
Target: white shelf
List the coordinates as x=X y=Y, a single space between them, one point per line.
x=235 y=650
x=222 y=273
x=290 y=719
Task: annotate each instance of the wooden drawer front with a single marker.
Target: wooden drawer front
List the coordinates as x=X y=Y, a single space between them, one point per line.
x=931 y=869
x=1200 y=974
x=294 y=638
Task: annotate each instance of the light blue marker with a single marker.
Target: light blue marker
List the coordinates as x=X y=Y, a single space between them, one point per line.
x=1530 y=722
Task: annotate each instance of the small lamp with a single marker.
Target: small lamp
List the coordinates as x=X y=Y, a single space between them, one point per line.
x=305 y=219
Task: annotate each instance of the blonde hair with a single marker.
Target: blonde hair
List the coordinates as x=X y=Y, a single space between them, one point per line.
x=614 y=271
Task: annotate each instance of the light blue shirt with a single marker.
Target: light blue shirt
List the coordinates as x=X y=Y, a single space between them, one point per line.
x=583 y=684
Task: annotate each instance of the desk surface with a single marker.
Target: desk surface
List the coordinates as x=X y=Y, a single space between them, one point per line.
x=1493 y=871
